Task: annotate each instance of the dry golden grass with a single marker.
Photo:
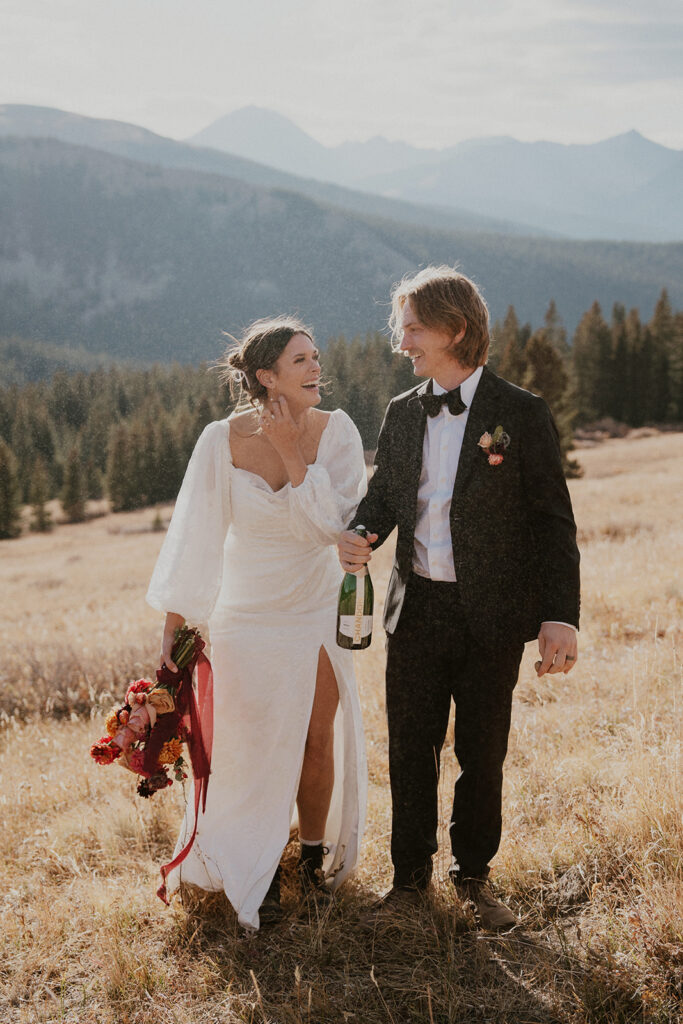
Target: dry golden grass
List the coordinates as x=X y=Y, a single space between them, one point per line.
x=592 y=855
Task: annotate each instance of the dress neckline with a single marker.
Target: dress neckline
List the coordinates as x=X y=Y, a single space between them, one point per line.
x=258 y=476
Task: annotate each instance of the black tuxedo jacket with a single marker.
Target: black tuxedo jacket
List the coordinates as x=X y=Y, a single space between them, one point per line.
x=512 y=527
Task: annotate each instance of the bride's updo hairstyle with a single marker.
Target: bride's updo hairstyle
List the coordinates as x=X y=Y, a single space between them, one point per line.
x=260 y=347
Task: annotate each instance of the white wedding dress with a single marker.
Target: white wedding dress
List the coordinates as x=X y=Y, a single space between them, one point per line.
x=260 y=568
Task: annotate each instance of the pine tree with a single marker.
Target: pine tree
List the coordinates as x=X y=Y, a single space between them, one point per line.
x=120 y=483
x=676 y=371
x=150 y=483
x=203 y=415
x=554 y=330
x=592 y=364
x=137 y=465
x=170 y=465
x=646 y=368
x=184 y=432
x=512 y=364
x=668 y=360
x=617 y=398
x=547 y=377
x=41 y=518
x=95 y=433
x=73 y=493
x=8 y=401
x=94 y=487
x=10 y=507
x=22 y=446
x=43 y=437
x=633 y=400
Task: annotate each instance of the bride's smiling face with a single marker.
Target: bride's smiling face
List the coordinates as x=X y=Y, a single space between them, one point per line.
x=296 y=374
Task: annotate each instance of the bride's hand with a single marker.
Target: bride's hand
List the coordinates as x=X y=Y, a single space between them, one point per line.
x=173 y=622
x=278 y=425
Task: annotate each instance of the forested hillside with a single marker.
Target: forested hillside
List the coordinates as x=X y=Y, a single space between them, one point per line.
x=127 y=433
x=24 y=360
x=137 y=261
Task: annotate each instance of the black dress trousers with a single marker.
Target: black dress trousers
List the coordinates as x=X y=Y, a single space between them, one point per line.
x=432 y=658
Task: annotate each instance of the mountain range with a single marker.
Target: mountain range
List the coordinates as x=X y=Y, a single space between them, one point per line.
x=623 y=188
x=138 y=143
x=151 y=254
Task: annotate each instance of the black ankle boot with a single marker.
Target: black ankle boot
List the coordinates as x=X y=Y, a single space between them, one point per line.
x=270 y=911
x=311 y=870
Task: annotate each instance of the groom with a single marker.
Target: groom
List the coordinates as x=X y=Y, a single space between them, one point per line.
x=468 y=468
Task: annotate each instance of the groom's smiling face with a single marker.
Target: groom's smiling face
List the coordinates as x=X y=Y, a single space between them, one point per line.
x=429 y=349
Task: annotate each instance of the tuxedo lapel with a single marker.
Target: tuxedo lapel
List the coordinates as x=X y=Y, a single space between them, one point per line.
x=413 y=444
x=483 y=412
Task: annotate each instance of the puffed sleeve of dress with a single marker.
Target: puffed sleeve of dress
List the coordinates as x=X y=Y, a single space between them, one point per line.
x=187 y=575
x=322 y=505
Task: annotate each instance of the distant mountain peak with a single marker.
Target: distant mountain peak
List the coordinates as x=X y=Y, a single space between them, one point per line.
x=631 y=138
x=252 y=120
x=265 y=136
x=252 y=113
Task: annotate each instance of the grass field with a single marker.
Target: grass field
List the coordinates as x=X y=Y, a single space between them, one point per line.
x=592 y=852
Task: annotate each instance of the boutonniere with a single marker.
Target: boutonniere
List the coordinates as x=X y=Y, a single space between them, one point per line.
x=494 y=445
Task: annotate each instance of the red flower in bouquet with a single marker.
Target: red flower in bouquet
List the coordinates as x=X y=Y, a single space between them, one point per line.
x=140 y=686
x=105 y=751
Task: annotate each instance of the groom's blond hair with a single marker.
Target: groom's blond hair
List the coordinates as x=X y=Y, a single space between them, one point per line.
x=446 y=300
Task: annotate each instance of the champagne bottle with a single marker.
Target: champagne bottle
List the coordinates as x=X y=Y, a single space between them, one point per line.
x=356 y=600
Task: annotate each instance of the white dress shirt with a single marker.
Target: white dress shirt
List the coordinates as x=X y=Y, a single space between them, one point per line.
x=433 y=551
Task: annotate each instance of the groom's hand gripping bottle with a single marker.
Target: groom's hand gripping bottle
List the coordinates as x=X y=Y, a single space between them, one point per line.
x=356 y=601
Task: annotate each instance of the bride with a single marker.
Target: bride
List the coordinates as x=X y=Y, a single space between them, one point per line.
x=250 y=552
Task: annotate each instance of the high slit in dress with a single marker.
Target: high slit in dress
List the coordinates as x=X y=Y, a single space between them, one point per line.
x=259 y=568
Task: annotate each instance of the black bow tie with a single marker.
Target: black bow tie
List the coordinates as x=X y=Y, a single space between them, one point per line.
x=432 y=404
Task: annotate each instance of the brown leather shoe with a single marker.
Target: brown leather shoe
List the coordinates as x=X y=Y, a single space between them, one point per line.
x=489 y=911
x=399 y=903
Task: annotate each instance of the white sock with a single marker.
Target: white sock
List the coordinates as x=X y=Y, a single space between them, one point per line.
x=311 y=842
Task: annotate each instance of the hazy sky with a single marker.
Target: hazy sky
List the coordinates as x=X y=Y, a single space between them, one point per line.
x=432 y=73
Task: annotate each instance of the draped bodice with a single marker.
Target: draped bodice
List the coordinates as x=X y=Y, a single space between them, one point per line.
x=236 y=546
x=267 y=568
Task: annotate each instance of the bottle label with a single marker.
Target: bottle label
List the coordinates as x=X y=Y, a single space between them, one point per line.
x=347 y=626
x=358 y=611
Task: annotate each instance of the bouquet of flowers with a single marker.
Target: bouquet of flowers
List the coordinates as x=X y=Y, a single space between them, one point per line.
x=147 y=732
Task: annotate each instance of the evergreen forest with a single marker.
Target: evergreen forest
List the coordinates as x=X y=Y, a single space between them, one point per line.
x=125 y=433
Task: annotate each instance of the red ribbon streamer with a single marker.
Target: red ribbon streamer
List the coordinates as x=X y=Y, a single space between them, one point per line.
x=197 y=716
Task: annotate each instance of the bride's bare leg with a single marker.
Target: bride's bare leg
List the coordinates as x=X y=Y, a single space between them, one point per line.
x=317 y=773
